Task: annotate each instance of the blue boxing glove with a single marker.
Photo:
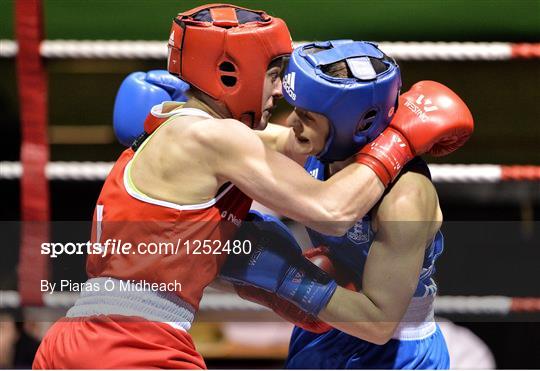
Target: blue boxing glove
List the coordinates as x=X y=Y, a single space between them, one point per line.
x=276 y=264
x=139 y=92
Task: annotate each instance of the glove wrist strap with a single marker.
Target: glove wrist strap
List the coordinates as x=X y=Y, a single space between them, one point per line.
x=308 y=287
x=386 y=155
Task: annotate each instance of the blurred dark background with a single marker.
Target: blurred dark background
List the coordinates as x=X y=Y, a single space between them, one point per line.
x=492 y=230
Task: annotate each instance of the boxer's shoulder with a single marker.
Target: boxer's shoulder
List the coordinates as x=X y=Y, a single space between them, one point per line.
x=411 y=192
x=412 y=187
x=211 y=133
x=413 y=198
x=185 y=138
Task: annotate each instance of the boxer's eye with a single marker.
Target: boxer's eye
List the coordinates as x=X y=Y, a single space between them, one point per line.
x=309 y=117
x=274 y=73
x=274 y=76
x=305 y=115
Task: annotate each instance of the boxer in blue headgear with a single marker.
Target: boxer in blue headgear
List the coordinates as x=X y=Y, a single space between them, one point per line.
x=345 y=94
x=358 y=107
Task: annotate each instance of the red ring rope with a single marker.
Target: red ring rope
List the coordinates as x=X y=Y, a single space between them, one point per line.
x=526 y=51
x=520 y=172
x=32 y=87
x=525 y=305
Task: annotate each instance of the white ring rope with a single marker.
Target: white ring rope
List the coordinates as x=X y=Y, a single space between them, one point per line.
x=465 y=173
x=447 y=50
x=441 y=173
x=473 y=304
x=218 y=301
x=61 y=170
x=125 y=49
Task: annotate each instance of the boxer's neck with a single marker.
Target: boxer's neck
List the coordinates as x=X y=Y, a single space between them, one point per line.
x=214 y=108
x=336 y=166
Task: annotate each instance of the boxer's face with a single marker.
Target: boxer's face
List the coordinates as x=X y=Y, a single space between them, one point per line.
x=271 y=92
x=310 y=131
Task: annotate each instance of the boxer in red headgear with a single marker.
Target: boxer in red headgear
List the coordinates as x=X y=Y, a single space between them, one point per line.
x=190 y=180
x=224 y=51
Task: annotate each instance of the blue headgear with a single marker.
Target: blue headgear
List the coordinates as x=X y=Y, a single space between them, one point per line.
x=358 y=108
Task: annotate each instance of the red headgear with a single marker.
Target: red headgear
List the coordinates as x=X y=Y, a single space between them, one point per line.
x=224 y=51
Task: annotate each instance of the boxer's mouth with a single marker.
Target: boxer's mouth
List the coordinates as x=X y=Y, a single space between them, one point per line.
x=299 y=137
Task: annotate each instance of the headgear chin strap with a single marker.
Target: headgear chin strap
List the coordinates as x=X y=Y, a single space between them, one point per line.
x=359 y=107
x=224 y=51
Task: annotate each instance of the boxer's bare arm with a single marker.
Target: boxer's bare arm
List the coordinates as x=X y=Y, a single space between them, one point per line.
x=274 y=136
x=279 y=138
x=239 y=155
x=407 y=220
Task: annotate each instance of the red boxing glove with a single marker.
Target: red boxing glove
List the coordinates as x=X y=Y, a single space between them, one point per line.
x=431 y=119
x=320 y=256
x=283 y=308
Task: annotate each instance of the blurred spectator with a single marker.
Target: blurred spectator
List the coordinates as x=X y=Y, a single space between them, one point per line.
x=19 y=341
x=467 y=351
x=25 y=347
x=8 y=337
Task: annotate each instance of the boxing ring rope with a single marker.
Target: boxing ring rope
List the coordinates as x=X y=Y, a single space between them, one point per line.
x=441 y=173
x=226 y=302
x=33 y=98
x=124 y=49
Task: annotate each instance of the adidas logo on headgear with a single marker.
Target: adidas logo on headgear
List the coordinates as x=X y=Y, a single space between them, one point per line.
x=288 y=84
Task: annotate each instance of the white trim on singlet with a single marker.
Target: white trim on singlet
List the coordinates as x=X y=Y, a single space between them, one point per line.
x=156 y=111
x=144 y=198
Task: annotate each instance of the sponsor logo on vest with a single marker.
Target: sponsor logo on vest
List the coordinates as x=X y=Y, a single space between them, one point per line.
x=358 y=233
x=230 y=217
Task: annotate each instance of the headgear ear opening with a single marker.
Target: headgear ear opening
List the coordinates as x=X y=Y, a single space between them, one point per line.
x=366 y=121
